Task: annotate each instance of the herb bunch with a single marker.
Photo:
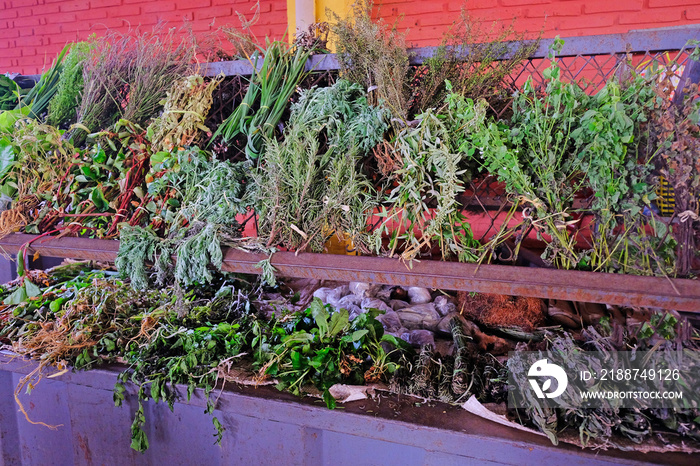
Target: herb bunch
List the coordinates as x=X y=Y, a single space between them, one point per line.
x=612 y=136
x=39 y=96
x=309 y=185
x=423 y=208
x=128 y=76
x=676 y=133
x=271 y=87
x=478 y=60
x=62 y=108
x=184 y=111
x=193 y=204
x=536 y=160
x=669 y=339
x=373 y=55
x=322 y=347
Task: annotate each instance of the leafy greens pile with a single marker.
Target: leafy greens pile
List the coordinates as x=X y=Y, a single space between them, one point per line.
x=83 y=318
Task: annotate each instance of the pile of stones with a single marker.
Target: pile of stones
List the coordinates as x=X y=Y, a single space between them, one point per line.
x=414 y=314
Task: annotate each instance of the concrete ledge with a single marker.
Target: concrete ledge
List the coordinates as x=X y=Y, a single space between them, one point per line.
x=263 y=426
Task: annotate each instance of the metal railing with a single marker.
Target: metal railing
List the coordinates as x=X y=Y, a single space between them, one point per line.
x=624 y=290
x=597 y=54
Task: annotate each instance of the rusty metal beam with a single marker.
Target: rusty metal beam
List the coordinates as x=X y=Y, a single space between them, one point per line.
x=68 y=248
x=625 y=290
x=500 y=279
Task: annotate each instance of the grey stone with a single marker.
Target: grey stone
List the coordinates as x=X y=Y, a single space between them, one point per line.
x=354 y=311
x=444 y=305
x=349 y=300
x=342 y=290
x=369 y=303
x=419 y=295
x=400 y=331
x=390 y=320
x=333 y=300
x=358 y=288
x=384 y=293
x=322 y=294
x=420 y=316
x=336 y=294
x=397 y=304
x=419 y=337
x=410 y=318
x=363 y=290
x=444 y=326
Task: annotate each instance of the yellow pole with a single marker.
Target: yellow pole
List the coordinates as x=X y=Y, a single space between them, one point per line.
x=291 y=20
x=299 y=13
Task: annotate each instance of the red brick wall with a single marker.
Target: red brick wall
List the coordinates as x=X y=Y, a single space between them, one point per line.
x=32 y=32
x=427 y=20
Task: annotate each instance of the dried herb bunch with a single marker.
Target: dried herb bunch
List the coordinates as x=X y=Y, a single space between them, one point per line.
x=456 y=377
x=479 y=60
x=374 y=55
x=241 y=38
x=128 y=76
x=62 y=108
x=669 y=339
x=309 y=186
x=677 y=135
x=161 y=57
x=315 y=37
x=184 y=112
x=105 y=78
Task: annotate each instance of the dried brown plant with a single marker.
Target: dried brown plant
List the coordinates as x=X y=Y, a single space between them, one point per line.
x=478 y=58
x=374 y=55
x=128 y=76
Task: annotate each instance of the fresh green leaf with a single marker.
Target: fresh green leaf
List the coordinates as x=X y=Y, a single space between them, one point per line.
x=16 y=297
x=339 y=322
x=320 y=316
x=328 y=398
x=97 y=197
x=32 y=290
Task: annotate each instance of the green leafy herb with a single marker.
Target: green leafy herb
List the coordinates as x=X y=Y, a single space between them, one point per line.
x=309 y=185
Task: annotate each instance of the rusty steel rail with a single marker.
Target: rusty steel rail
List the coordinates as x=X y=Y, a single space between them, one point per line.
x=65 y=248
x=625 y=290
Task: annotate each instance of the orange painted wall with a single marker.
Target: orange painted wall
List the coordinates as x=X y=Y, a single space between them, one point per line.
x=427 y=20
x=33 y=31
